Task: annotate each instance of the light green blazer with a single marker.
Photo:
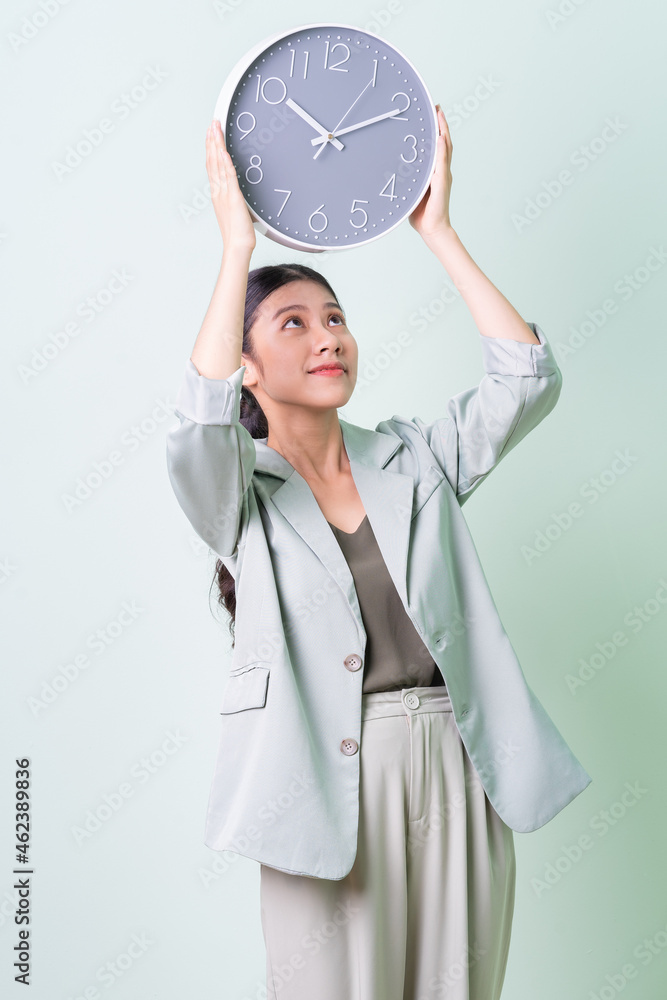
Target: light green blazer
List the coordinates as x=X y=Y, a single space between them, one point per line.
x=283 y=792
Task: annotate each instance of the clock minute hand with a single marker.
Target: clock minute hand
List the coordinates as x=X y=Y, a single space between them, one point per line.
x=351 y=128
x=324 y=133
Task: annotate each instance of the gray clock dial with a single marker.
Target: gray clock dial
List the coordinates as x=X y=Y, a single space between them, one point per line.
x=333 y=135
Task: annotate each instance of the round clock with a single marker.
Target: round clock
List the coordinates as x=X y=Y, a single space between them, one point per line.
x=333 y=135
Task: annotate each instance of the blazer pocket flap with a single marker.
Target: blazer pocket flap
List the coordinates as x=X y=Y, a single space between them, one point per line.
x=246 y=688
x=428 y=484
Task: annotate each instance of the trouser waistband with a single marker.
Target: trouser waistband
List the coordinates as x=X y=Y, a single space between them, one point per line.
x=405 y=701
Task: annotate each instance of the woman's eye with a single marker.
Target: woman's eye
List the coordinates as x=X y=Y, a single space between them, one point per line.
x=336 y=316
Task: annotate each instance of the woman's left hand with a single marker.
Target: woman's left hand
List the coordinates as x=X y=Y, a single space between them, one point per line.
x=431 y=216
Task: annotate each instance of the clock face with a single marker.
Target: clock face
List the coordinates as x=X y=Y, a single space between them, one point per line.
x=333 y=135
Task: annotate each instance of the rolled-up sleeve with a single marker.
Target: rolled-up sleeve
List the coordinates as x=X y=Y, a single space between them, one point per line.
x=521 y=385
x=211 y=457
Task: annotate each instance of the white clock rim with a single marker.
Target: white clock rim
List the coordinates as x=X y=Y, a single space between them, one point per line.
x=221 y=112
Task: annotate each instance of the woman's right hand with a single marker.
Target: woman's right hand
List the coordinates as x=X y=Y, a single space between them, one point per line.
x=234 y=219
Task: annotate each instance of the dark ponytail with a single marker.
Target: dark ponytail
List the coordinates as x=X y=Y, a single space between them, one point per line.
x=262 y=281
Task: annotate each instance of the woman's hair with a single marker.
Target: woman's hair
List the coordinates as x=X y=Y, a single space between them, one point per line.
x=262 y=281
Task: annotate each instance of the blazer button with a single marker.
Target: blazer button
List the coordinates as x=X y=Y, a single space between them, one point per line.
x=349 y=746
x=353 y=661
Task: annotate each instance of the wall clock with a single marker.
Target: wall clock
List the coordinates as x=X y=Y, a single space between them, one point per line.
x=333 y=135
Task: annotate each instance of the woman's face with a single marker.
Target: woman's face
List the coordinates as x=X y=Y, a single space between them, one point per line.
x=298 y=328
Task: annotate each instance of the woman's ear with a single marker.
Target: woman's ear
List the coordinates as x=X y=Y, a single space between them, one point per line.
x=250 y=373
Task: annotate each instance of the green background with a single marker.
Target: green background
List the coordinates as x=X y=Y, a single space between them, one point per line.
x=588 y=267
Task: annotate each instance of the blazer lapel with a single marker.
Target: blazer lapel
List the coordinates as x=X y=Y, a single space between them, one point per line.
x=387 y=498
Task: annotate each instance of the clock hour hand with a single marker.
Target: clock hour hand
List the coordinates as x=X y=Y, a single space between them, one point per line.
x=351 y=128
x=325 y=135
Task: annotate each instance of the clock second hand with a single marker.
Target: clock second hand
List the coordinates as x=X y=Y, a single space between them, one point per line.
x=331 y=136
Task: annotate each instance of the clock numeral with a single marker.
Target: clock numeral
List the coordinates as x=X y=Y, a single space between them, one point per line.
x=282 y=191
x=261 y=88
x=413 y=148
x=359 y=225
x=305 y=63
x=312 y=216
x=337 y=66
x=375 y=71
x=401 y=93
x=391 y=195
x=245 y=131
x=254 y=166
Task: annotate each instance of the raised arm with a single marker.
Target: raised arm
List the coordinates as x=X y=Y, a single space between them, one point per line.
x=522 y=381
x=217 y=350
x=520 y=386
x=493 y=314
x=210 y=454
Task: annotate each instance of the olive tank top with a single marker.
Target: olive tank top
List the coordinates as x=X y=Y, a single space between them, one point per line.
x=395 y=656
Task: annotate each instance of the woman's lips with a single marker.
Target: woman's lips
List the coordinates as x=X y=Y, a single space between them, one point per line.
x=329 y=371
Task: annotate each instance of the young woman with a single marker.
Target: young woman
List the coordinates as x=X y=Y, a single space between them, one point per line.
x=379 y=741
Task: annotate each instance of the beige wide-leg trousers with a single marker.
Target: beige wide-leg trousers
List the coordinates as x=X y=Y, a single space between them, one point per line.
x=426 y=910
